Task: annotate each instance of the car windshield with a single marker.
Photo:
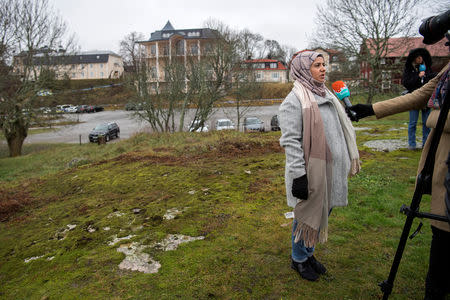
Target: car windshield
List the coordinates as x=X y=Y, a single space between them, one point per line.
x=225 y=123
x=101 y=127
x=253 y=121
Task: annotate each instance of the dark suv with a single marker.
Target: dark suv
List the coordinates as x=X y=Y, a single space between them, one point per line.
x=109 y=130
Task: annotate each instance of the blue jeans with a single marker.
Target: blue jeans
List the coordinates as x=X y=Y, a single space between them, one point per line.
x=413 y=117
x=300 y=253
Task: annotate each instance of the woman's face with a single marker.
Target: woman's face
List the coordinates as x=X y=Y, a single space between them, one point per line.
x=418 y=60
x=318 y=69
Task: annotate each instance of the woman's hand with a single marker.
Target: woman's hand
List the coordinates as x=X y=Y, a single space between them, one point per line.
x=300 y=187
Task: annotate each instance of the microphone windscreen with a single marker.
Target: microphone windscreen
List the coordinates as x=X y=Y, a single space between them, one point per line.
x=422 y=67
x=340 y=89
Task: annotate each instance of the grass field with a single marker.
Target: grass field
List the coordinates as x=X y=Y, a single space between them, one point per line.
x=229 y=189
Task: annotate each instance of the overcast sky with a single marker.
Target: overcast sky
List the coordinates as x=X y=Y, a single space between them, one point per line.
x=101 y=24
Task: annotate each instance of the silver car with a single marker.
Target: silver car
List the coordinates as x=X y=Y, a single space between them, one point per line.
x=253 y=124
x=224 y=124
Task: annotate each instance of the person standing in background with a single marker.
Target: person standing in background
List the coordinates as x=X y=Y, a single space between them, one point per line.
x=417 y=72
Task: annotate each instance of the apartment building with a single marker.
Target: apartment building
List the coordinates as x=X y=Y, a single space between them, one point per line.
x=78 y=66
x=170 y=44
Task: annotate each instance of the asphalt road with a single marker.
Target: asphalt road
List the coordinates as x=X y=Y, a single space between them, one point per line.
x=129 y=125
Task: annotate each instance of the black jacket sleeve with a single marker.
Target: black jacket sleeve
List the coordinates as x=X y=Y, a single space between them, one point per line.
x=411 y=80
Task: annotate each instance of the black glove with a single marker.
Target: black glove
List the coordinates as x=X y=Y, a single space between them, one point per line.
x=300 y=187
x=360 y=111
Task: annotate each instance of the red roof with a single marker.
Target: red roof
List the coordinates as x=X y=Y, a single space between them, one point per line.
x=399 y=47
x=280 y=65
x=260 y=60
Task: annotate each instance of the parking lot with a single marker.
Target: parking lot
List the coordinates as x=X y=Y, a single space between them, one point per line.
x=130 y=125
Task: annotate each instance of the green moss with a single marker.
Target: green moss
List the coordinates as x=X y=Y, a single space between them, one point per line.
x=230 y=189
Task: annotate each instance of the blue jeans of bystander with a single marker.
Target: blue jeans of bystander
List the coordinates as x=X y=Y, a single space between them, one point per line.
x=413 y=117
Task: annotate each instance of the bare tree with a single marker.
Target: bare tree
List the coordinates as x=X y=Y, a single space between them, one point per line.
x=362 y=29
x=130 y=50
x=272 y=49
x=6 y=30
x=245 y=88
x=29 y=26
x=249 y=44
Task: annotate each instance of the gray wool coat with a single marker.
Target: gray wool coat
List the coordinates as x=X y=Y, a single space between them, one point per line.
x=290 y=117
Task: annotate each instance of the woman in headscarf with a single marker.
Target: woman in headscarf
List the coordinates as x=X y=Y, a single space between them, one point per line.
x=320 y=147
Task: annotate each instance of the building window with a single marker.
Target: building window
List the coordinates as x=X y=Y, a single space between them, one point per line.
x=166 y=50
x=98 y=56
x=179 y=47
x=382 y=61
x=101 y=65
x=258 y=76
x=275 y=75
x=194 y=49
x=259 y=66
x=153 y=50
x=194 y=33
x=92 y=74
x=91 y=66
x=82 y=74
x=101 y=74
x=385 y=80
x=273 y=65
x=73 y=75
x=208 y=48
x=153 y=72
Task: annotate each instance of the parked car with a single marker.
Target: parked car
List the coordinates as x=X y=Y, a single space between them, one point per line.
x=224 y=124
x=109 y=130
x=71 y=109
x=44 y=92
x=65 y=107
x=274 y=123
x=253 y=124
x=98 y=108
x=195 y=123
x=59 y=109
x=45 y=110
x=134 y=106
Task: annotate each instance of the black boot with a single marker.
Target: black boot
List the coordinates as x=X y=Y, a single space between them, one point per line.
x=316 y=265
x=305 y=270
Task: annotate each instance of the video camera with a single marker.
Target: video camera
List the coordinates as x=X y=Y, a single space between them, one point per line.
x=434 y=28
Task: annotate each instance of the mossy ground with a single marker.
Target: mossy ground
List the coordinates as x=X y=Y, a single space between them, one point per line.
x=231 y=188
